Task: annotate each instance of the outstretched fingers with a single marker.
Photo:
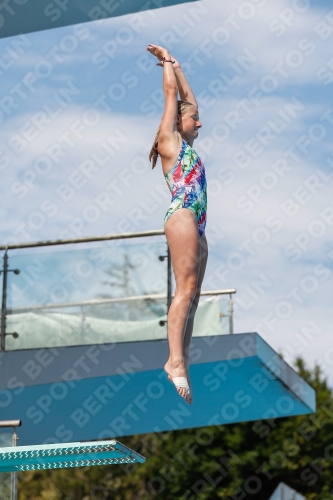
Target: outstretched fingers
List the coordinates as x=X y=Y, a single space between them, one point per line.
x=157 y=51
x=160 y=52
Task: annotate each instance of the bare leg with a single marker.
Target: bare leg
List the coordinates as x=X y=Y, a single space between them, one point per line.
x=182 y=235
x=190 y=322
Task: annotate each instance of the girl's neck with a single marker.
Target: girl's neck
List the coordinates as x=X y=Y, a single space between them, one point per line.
x=189 y=141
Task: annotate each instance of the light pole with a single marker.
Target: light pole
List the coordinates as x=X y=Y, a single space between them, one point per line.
x=4 y=302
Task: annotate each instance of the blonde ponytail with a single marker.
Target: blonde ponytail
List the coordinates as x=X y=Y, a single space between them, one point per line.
x=153 y=155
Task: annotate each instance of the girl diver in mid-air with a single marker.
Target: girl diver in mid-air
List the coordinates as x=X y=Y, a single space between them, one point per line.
x=185 y=220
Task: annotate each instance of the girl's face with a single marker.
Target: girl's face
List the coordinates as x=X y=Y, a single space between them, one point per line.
x=189 y=123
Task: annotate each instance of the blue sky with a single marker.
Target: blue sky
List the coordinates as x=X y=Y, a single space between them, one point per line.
x=263 y=74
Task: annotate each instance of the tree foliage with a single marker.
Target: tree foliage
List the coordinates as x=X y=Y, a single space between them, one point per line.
x=232 y=462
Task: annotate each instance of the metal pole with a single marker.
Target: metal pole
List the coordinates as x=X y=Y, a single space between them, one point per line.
x=3 y=305
x=14 y=474
x=153 y=296
x=231 y=322
x=32 y=244
x=169 y=299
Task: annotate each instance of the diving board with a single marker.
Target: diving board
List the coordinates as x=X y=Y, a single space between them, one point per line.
x=22 y=17
x=110 y=390
x=61 y=456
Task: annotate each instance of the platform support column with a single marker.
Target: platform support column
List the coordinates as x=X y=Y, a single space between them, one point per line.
x=14 y=474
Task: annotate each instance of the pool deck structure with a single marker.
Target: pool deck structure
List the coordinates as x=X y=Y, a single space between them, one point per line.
x=23 y=17
x=106 y=391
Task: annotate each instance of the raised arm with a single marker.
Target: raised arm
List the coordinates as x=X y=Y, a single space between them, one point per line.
x=169 y=138
x=185 y=91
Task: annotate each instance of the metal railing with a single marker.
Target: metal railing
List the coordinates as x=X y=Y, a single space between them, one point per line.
x=5 y=310
x=88 y=239
x=12 y=479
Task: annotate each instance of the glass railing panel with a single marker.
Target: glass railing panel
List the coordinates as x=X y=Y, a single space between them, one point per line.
x=69 y=297
x=97 y=294
x=212 y=316
x=87 y=324
x=53 y=275
x=109 y=323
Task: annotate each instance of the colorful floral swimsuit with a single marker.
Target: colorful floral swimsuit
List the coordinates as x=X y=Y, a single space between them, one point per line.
x=187 y=183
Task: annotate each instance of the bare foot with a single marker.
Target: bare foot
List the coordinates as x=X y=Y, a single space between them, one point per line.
x=190 y=400
x=188 y=379
x=177 y=370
